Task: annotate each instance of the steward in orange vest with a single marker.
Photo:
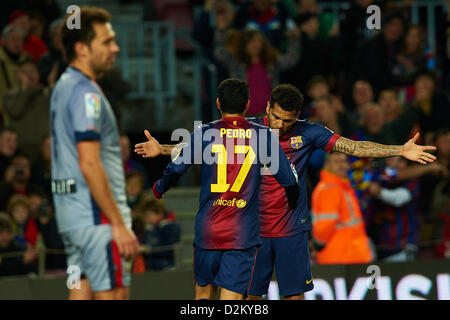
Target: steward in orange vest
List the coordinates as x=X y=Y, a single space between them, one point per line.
x=338 y=226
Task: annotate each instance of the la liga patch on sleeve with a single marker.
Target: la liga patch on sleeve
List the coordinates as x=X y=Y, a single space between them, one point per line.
x=92 y=104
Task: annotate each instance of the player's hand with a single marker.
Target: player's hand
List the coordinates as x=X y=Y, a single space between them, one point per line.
x=414 y=152
x=150 y=148
x=126 y=241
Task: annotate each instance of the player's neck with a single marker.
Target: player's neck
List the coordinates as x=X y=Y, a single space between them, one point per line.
x=231 y=115
x=85 y=69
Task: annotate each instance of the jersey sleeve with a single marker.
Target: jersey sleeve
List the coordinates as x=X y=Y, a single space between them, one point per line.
x=175 y=169
x=323 y=138
x=85 y=108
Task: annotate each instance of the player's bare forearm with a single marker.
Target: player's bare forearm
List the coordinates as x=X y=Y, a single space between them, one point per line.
x=166 y=149
x=97 y=181
x=366 y=149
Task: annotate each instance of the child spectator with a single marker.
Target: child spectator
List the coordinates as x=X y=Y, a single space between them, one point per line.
x=135 y=190
x=161 y=229
x=16 y=265
x=25 y=229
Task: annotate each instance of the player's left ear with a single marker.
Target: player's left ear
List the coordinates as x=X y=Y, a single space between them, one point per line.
x=218 y=104
x=247 y=106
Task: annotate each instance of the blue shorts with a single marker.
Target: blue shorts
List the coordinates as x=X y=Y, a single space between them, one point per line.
x=231 y=269
x=94 y=252
x=290 y=256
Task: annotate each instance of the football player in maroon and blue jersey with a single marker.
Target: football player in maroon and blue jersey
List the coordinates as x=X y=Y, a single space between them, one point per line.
x=227 y=227
x=284 y=231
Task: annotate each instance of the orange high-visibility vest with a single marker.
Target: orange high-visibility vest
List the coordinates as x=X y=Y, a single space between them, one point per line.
x=338 y=222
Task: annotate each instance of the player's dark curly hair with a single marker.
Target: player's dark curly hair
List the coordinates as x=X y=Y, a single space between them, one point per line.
x=287 y=96
x=86 y=32
x=233 y=95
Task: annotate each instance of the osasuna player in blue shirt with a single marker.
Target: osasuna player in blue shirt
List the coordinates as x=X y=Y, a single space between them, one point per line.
x=88 y=180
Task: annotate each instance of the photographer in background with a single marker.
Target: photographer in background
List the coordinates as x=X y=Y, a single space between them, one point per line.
x=17 y=180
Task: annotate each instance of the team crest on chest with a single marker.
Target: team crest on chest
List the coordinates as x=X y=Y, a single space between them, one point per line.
x=296 y=142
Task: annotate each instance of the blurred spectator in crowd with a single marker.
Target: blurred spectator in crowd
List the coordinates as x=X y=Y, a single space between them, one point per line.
x=26 y=106
x=14 y=265
x=11 y=53
x=257 y=62
x=393 y=216
x=160 y=229
x=37 y=24
x=17 y=180
x=316 y=55
x=390 y=104
x=115 y=88
x=33 y=45
x=268 y=17
x=48 y=8
x=374 y=127
x=435 y=185
x=130 y=164
x=135 y=189
x=8 y=149
x=42 y=213
x=433 y=105
x=362 y=93
x=338 y=227
x=411 y=57
x=354 y=31
x=338 y=122
x=203 y=32
x=41 y=169
x=25 y=229
x=52 y=64
x=376 y=58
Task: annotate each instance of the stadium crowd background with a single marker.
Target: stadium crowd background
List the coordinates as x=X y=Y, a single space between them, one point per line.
x=378 y=85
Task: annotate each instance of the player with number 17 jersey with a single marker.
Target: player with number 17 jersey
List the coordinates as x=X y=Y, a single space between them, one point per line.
x=229 y=198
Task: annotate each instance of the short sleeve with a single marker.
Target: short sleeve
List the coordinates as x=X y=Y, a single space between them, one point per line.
x=85 y=107
x=323 y=138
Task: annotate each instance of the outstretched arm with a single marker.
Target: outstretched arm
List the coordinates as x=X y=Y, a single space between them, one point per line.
x=366 y=149
x=152 y=148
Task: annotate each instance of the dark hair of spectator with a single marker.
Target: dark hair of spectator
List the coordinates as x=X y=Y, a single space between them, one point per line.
x=7 y=129
x=25 y=61
x=86 y=33
x=392 y=16
x=287 y=96
x=305 y=17
x=134 y=173
x=153 y=205
x=268 y=54
x=425 y=73
x=233 y=95
x=440 y=132
x=5 y=222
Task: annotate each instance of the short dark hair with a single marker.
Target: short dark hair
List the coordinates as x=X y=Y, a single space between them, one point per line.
x=86 y=32
x=5 y=222
x=425 y=73
x=7 y=129
x=233 y=95
x=287 y=96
